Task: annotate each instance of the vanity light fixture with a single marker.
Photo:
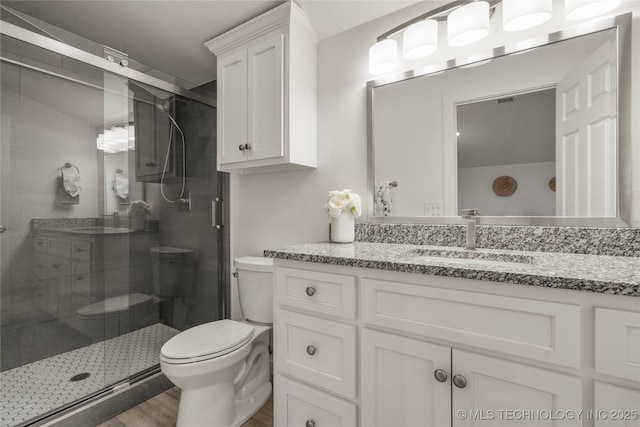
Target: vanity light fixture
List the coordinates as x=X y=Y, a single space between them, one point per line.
x=584 y=9
x=118 y=138
x=520 y=15
x=382 y=56
x=467 y=22
x=420 y=40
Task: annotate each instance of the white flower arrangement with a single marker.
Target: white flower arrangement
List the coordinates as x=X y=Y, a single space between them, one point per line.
x=343 y=200
x=138 y=207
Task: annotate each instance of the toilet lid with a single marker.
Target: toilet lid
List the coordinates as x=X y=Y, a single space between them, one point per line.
x=212 y=339
x=114 y=305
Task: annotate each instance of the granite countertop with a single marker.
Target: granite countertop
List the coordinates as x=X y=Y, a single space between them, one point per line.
x=96 y=230
x=595 y=273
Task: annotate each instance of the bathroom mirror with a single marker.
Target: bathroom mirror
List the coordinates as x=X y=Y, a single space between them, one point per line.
x=447 y=139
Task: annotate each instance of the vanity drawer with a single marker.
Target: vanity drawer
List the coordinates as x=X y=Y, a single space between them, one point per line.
x=81 y=278
x=81 y=250
x=299 y=405
x=318 y=351
x=58 y=267
x=618 y=343
x=59 y=247
x=40 y=244
x=326 y=293
x=538 y=330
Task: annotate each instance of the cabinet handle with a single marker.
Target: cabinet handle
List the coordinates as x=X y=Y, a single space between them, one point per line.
x=311 y=291
x=79 y=250
x=310 y=423
x=311 y=350
x=149 y=164
x=79 y=278
x=440 y=375
x=459 y=381
x=247 y=146
x=56 y=265
x=3 y=229
x=241 y=147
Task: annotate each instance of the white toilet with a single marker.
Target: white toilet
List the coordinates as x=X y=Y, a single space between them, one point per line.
x=222 y=367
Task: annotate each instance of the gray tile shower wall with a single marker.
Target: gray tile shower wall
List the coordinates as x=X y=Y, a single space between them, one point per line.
x=577 y=240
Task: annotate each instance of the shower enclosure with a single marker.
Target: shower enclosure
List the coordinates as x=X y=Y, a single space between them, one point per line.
x=106 y=174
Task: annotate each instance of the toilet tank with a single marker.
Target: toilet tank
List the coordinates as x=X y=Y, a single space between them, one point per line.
x=169 y=270
x=255 y=288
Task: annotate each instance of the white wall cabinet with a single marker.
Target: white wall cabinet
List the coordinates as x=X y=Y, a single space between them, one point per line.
x=373 y=348
x=267 y=93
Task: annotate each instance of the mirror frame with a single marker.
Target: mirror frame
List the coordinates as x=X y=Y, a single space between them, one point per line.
x=622 y=23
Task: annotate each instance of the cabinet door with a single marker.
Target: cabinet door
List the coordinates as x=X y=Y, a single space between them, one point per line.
x=503 y=393
x=616 y=406
x=398 y=383
x=232 y=108
x=266 y=74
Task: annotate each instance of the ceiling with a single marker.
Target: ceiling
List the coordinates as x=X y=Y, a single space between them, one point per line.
x=169 y=35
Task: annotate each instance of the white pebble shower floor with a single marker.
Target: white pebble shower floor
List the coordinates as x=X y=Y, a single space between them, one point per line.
x=39 y=387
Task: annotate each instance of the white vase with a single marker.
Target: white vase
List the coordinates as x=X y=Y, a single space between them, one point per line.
x=343 y=228
x=139 y=222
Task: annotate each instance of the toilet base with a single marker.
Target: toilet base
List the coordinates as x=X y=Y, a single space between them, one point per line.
x=245 y=409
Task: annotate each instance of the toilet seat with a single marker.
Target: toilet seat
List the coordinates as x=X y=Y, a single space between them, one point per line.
x=207 y=341
x=114 y=306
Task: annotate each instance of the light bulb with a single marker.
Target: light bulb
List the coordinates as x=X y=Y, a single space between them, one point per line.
x=520 y=15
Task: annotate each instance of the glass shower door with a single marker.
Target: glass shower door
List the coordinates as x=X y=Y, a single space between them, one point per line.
x=65 y=257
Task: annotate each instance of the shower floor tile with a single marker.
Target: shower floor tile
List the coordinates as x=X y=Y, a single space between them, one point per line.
x=39 y=387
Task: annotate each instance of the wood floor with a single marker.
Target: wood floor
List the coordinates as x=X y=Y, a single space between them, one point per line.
x=162 y=411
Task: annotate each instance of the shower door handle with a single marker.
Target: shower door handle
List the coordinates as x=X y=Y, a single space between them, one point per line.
x=215 y=214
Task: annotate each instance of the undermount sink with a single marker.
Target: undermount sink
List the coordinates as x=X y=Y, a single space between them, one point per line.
x=494 y=258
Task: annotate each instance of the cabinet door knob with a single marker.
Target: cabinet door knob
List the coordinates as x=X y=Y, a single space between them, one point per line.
x=3 y=229
x=459 y=381
x=440 y=375
x=310 y=423
x=241 y=147
x=311 y=350
x=311 y=291
x=149 y=164
x=247 y=146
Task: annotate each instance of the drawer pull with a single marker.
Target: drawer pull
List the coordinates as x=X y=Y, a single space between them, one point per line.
x=310 y=423
x=56 y=265
x=459 y=381
x=80 y=278
x=311 y=350
x=311 y=291
x=440 y=375
x=79 y=250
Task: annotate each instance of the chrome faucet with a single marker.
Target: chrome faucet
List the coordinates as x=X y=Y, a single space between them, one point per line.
x=470 y=216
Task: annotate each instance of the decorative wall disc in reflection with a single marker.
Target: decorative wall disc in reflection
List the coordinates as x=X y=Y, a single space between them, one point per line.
x=504 y=186
x=552 y=184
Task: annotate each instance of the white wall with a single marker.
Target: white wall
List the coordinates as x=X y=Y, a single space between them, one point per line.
x=533 y=197
x=282 y=208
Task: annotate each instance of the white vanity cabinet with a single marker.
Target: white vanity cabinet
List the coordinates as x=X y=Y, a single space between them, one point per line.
x=267 y=93
x=401 y=349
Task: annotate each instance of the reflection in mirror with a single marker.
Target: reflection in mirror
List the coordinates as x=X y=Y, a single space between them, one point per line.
x=544 y=113
x=511 y=136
